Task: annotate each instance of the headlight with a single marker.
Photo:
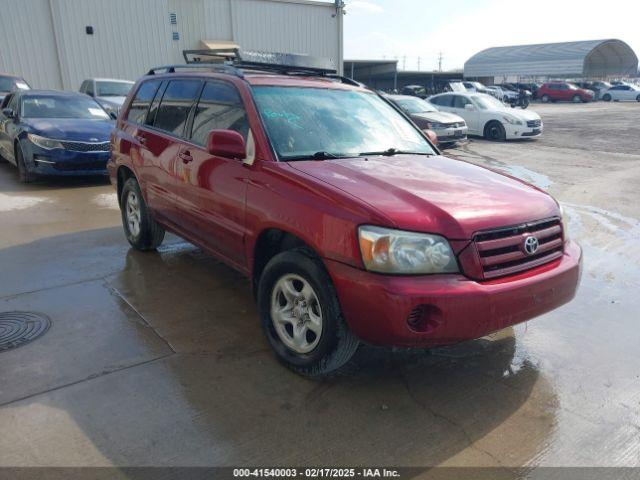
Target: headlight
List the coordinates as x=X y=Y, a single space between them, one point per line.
x=394 y=251
x=565 y=225
x=42 y=142
x=512 y=120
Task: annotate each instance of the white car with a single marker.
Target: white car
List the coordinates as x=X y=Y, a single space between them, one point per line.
x=488 y=117
x=622 y=92
x=108 y=92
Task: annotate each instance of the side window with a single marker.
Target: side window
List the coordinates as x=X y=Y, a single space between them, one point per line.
x=459 y=101
x=6 y=100
x=140 y=103
x=219 y=107
x=83 y=87
x=443 y=101
x=175 y=105
x=13 y=104
x=564 y=87
x=89 y=90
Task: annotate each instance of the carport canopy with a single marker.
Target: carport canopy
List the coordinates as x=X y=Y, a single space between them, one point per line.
x=592 y=58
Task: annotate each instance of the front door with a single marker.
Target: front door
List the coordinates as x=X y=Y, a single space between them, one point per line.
x=212 y=189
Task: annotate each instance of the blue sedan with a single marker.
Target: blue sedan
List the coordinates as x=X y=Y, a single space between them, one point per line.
x=46 y=132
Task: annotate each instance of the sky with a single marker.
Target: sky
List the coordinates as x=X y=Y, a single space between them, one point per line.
x=422 y=29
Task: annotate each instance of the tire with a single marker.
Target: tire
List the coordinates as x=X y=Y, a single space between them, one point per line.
x=638 y=98
x=24 y=175
x=606 y=97
x=495 y=131
x=315 y=350
x=140 y=228
x=576 y=99
x=545 y=98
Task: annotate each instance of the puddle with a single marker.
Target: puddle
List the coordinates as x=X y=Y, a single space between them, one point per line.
x=10 y=203
x=523 y=173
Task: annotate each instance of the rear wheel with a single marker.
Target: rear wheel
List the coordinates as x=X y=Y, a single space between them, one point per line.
x=545 y=98
x=24 y=174
x=301 y=316
x=495 y=131
x=638 y=98
x=576 y=99
x=606 y=97
x=140 y=228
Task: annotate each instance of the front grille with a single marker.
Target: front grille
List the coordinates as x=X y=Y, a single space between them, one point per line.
x=81 y=165
x=502 y=250
x=534 y=123
x=86 y=146
x=453 y=125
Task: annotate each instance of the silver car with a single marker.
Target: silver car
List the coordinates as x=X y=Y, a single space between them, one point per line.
x=449 y=128
x=108 y=92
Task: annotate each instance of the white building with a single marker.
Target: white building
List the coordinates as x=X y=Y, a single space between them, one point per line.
x=59 y=43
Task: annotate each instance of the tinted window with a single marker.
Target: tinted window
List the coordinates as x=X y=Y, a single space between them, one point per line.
x=176 y=102
x=444 y=100
x=49 y=106
x=140 y=103
x=89 y=90
x=219 y=107
x=459 y=101
x=6 y=101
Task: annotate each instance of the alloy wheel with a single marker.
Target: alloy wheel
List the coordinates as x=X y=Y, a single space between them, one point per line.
x=133 y=213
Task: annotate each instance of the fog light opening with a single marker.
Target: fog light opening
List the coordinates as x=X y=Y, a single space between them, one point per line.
x=424 y=318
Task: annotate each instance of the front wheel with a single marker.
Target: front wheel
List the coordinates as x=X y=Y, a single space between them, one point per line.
x=495 y=131
x=301 y=316
x=24 y=174
x=606 y=97
x=638 y=98
x=576 y=99
x=140 y=228
x=545 y=98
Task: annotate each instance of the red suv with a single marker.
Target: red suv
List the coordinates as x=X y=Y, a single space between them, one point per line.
x=563 y=92
x=349 y=223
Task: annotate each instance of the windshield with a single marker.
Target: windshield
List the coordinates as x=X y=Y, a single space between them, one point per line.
x=302 y=122
x=414 y=105
x=113 y=89
x=8 y=84
x=61 y=107
x=487 y=102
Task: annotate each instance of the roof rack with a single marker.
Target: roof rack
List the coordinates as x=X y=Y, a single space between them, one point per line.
x=234 y=60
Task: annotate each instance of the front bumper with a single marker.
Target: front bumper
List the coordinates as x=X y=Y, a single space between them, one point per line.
x=378 y=308
x=522 y=131
x=60 y=162
x=450 y=135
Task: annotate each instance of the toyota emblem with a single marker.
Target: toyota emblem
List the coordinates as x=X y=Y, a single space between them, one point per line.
x=531 y=245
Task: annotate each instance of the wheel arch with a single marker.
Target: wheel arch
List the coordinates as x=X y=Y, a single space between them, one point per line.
x=124 y=173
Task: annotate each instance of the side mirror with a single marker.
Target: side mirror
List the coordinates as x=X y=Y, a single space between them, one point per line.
x=226 y=144
x=432 y=136
x=113 y=115
x=469 y=106
x=7 y=112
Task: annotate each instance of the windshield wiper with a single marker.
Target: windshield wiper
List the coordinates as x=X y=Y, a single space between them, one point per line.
x=391 y=152
x=321 y=155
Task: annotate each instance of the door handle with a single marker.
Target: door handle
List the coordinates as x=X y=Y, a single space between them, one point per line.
x=186 y=157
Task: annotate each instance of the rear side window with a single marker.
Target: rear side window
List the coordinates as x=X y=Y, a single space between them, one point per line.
x=140 y=104
x=459 y=101
x=219 y=107
x=175 y=105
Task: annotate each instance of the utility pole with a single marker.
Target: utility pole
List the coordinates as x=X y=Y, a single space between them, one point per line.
x=440 y=61
x=418 y=63
x=404 y=62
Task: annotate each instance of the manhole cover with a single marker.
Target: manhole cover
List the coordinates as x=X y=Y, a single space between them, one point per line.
x=18 y=328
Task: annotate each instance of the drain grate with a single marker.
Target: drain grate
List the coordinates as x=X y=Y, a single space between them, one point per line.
x=18 y=328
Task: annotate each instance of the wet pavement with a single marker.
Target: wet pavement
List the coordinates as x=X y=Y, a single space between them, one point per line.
x=158 y=358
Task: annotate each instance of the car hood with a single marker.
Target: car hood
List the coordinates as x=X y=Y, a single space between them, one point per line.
x=111 y=101
x=522 y=114
x=440 y=117
x=435 y=194
x=80 y=130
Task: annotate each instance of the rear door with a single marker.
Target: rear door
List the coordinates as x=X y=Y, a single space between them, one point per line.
x=162 y=138
x=212 y=189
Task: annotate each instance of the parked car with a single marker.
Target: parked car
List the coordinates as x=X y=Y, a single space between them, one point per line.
x=47 y=132
x=414 y=91
x=108 y=92
x=564 y=92
x=503 y=94
x=532 y=88
x=449 y=128
x=349 y=224
x=475 y=87
x=622 y=92
x=488 y=117
x=11 y=83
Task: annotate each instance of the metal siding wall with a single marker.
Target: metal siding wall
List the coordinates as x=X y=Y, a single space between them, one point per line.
x=28 y=49
x=131 y=36
x=287 y=27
